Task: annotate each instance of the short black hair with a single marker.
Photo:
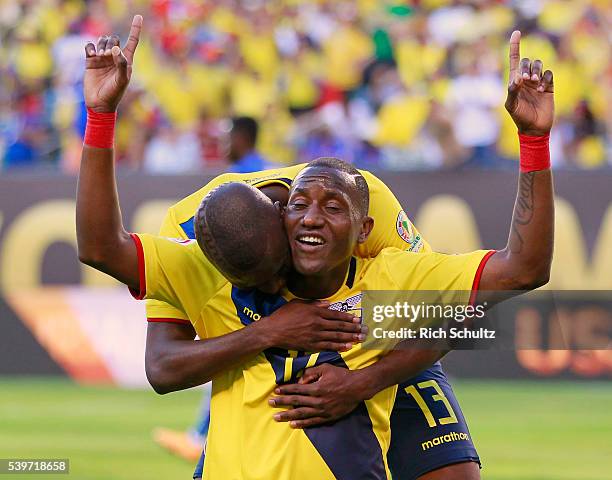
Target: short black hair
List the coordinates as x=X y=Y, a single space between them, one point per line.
x=342 y=166
x=246 y=126
x=230 y=227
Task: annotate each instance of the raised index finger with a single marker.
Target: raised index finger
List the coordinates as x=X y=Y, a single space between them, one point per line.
x=515 y=53
x=132 y=43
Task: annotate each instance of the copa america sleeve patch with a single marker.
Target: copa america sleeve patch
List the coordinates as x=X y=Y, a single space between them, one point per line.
x=407 y=233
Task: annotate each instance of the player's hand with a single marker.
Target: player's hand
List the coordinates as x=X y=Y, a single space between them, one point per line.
x=108 y=69
x=530 y=99
x=312 y=327
x=324 y=394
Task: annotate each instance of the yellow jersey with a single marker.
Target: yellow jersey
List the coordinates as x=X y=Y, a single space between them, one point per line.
x=244 y=442
x=392 y=227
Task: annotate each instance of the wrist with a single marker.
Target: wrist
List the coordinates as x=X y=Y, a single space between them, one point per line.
x=534 y=152
x=102 y=109
x=261 y=334
x=364 y=384
x=100 y=129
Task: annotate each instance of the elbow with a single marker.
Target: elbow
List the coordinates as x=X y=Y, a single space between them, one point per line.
x=92 y=259
x=95 y=255
x=101 y=251
x=158 y=379
x=533 y=278
x=542 y=279
x=165 y=376
x=525 y=274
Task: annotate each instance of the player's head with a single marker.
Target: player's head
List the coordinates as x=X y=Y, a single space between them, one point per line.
x=243 y=137
x=327 y=215
x=241 y=232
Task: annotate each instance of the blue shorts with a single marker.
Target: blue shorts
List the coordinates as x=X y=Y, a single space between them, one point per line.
x=428 y=430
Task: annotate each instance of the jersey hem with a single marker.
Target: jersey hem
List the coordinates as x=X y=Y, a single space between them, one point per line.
x=181 y=321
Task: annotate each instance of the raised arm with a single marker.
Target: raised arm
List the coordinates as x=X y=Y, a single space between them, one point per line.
x=102 y=240
x=326 y=393
x=524 y=264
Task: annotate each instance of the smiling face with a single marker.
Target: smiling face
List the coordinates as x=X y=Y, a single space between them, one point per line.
x=324 y=220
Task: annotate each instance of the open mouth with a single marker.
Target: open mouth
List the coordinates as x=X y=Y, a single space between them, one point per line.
x=311 y=240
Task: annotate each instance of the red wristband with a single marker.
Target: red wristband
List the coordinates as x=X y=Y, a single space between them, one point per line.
x=100 y=130
x=535 y=154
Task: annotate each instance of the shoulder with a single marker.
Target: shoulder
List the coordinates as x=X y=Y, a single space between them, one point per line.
x=185 y=258
x=399 y=263
x=389 y=259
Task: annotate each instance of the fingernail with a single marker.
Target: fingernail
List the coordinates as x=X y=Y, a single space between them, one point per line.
x=362 y=337
x=293 y=424
x=535 y=77
x=271 y=402
x=540 y=89
x=356 y=319
x=277 y=417
x=100 y=52
x=348 y=346
x=277 y=391
x=364 y=329
x=526 y=76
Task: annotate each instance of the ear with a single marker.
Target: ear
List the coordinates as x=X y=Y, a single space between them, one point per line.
x=367 y=224
x=280 y=209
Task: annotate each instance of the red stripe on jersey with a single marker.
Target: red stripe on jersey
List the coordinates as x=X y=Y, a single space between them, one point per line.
x=169 y=320
x=476 y=283
x=142 y=287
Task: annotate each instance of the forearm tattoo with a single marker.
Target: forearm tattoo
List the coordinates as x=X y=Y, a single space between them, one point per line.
x=523 y=210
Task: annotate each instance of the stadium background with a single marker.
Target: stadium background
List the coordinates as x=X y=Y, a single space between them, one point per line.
x=411 y=90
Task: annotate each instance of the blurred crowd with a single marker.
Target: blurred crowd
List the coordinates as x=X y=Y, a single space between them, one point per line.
x=383 y=84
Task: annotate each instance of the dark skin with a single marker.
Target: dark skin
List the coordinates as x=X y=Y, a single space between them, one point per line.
x=175 y=361
x=269 y=274
x=104 y=244
x=115 y=253
x=524 y=264
x=321 y=208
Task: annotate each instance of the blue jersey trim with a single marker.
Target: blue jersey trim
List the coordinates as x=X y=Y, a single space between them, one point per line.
x=188 y=228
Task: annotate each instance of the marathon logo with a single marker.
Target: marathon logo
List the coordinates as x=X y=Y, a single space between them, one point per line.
x=448 y=438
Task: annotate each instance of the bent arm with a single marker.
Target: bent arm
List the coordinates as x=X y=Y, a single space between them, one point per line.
x=175 y=361
x=524 y=264
x=397 y=367
x=102 y=240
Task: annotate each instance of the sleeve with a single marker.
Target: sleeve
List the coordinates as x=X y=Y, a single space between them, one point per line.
x=169 y=271
x=158 y=311
x=392 y=227
x=439 y=272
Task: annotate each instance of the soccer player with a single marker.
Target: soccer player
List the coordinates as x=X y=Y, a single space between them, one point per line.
x=93 y=157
